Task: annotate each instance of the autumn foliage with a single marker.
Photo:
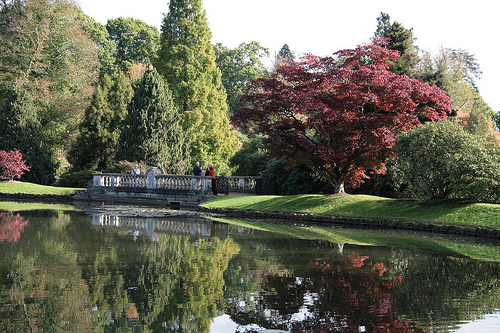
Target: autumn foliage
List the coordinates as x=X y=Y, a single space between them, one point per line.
x=12 y=164
x=339 y=115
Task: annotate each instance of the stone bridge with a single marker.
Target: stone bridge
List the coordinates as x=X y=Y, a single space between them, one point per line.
x=173 y=191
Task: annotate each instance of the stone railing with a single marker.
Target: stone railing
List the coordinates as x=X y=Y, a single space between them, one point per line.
x=152 y=180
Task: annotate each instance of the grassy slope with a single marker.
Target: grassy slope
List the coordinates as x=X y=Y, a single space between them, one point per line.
x=13 y=187
x=466 y=214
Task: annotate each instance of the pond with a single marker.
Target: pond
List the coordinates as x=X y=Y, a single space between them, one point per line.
x=104 y=270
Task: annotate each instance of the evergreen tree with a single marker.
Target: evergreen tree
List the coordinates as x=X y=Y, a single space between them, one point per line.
x=152 y=130
x=97 y=142
x=401 y=39
x=284 y=56
x=285 y=53
x=187 y=61
x=21 y=130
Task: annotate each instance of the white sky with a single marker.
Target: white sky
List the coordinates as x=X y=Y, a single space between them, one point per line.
x=322 y=27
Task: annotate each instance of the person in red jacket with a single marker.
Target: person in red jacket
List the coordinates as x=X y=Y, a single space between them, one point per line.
x=210 y=170
x=211 y=173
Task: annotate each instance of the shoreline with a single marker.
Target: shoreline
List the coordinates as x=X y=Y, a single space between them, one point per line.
x=304 y=218
x=358 y=222
x=41 y=198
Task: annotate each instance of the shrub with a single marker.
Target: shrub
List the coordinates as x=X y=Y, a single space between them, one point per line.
x=442 y=161
x=79 y=179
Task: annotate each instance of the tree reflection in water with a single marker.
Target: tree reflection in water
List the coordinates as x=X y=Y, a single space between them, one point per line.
x=61 y=274
x=11 y=227
x=314 y=287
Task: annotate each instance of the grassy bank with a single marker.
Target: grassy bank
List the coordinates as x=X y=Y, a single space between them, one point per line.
x=446 y=212
x=16 y=187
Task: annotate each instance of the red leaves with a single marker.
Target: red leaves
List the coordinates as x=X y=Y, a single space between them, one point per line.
x=12 y=164
x=339 y=112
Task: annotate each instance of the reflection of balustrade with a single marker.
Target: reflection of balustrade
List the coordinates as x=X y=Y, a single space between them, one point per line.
x=150 y=225
x=197 y=228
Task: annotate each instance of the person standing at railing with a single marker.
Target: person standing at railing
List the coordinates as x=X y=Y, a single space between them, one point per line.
x=210 y=170
x=158 y=165
x=197 y=172
x=136 y=171
x=197 y=169
x=211 y=173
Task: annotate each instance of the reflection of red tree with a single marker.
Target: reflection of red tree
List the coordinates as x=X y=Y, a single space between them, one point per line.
x=352 y=297
x=11 y=227
x=349 y=292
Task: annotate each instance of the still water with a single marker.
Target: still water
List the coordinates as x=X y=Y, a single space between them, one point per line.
x=109 y=271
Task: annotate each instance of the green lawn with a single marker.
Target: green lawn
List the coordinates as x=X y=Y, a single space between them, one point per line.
x=30 y=188
x=466 y=214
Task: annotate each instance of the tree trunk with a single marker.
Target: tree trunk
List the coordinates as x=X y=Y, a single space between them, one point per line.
x=335 y=178
x=339 y=188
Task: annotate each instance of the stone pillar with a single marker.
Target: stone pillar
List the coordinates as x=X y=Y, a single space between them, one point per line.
x=97 y=180
x=150 y=179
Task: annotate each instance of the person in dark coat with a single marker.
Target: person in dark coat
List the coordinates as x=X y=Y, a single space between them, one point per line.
x=197 y=170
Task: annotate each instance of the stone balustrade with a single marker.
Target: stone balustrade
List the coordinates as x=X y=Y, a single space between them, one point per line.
x=154 y=181
x=173 y=190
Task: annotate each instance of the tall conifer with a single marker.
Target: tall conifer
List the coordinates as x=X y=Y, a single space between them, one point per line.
x=152 y=130
x=187 y=61
x=99 y=133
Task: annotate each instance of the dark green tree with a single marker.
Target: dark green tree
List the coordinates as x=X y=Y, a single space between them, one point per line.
x=284 y=56
x=97 y=141
x=285 y=53
x=136 y=41
x=152 y=131
x=239 y=66
x=187 y=61
x=21 y=130
x=251 y=159
x=401 y=39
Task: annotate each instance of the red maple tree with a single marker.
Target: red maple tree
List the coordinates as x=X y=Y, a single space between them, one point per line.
x=339 y=115
x=12 y=164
